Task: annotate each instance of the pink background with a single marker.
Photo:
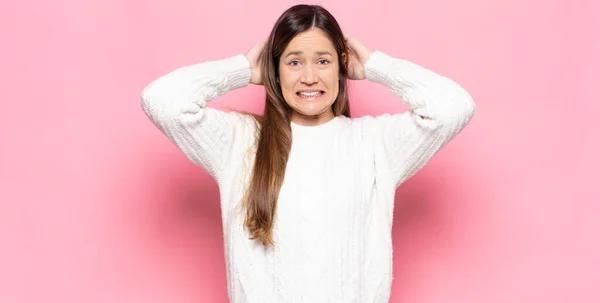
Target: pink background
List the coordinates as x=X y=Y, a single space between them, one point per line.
x=98 y=206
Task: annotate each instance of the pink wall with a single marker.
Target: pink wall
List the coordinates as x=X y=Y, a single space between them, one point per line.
x=98 y=206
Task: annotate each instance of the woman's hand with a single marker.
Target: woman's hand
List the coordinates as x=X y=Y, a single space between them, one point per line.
x=357 y=56
x=254 y=55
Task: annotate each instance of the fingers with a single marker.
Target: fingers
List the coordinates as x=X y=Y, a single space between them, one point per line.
x=263 y=49
x=350 y=43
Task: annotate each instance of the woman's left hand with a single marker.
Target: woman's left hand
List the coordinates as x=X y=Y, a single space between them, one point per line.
x=358 y=54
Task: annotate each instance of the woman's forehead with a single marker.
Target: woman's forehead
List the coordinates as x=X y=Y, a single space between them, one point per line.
x=311 y=42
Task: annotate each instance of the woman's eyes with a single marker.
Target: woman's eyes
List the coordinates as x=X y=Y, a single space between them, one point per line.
x=322 y=62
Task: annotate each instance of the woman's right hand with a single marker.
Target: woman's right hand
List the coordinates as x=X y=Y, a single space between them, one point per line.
x=254 y=55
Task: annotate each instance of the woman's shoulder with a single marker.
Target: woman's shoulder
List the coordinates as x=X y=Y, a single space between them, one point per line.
x=366 y=122
x=360 y=128
x=236 y=118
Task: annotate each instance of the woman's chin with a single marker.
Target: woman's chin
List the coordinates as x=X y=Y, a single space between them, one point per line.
x=312 y=111
x=311 y=108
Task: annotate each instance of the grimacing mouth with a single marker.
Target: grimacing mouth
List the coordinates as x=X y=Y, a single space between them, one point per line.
x=310 y=91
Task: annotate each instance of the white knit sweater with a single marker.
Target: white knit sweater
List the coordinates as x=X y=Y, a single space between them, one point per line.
x=334 y=217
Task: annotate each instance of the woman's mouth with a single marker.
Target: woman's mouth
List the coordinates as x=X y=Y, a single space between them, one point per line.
x=310 y=95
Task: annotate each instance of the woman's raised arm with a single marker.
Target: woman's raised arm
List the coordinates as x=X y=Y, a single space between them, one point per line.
x=439 y=109
x=175 y=103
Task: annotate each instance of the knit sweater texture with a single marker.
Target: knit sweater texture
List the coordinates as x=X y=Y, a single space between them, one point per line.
x=333 y=224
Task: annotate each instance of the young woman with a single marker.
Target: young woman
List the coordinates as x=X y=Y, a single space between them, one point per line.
x=307 y=193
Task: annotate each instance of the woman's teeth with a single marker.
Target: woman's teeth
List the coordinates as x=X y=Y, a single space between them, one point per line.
x=310 y=94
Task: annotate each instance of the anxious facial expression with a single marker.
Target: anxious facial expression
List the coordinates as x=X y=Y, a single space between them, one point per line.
x=309 y=77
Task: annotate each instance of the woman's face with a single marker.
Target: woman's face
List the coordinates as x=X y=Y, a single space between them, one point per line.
x=309 y=77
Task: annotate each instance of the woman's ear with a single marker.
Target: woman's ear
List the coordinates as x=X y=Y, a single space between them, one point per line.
x=344 y=58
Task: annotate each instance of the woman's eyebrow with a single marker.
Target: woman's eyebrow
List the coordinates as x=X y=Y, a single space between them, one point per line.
x=320 y=53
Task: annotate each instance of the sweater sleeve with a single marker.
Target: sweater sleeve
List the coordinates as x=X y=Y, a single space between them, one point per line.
x=175 y=103
x=438 y=110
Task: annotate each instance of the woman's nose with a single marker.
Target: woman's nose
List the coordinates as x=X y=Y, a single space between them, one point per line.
x=309 y=76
